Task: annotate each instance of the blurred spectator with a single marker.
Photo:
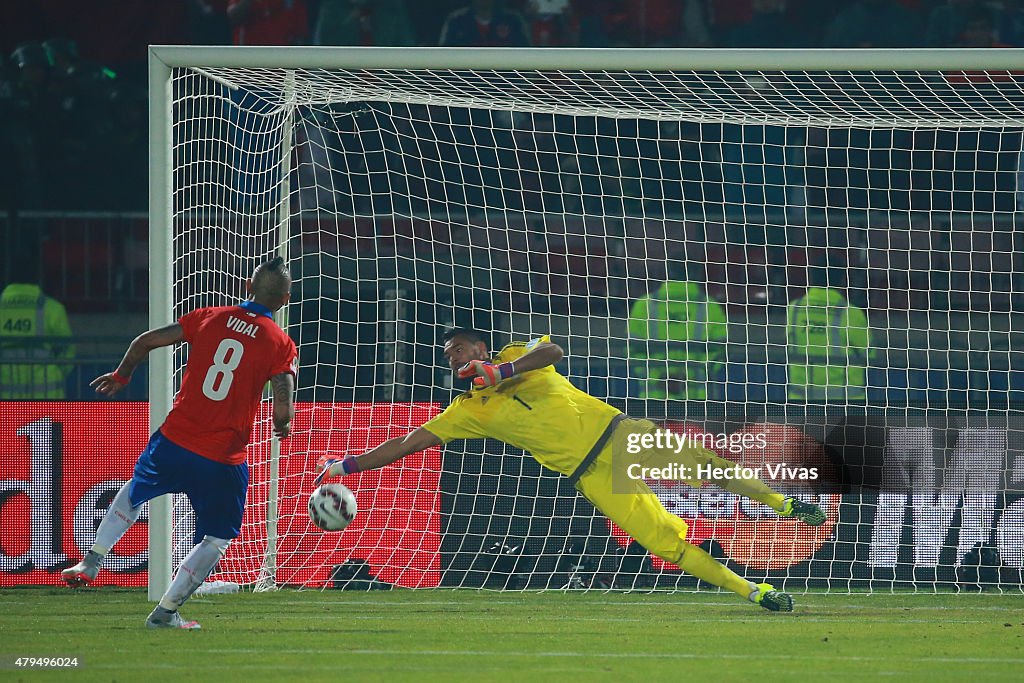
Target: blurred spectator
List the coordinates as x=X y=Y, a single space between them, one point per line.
x=768 y=27
x=76 y=133
x=206 y=22
x=659 y=22
x=874 y=23
x=88 y=104
x=115 y=33
x=632 y=23
x=269 y=22
x=122 y=157
x=6 y=91
x=78 y=83
x=599 y=24
x=22 y=22
x=552 y=23
x=811 y=17
x=828 y=342
x=979 y=30
x=484 y=23
x=1010 y=21
x=947 y=22
x=694 y=31
x=805 y=17
x=36 y=133
x=62 y=55
x=725 y=16
x=19 y=174
x=677 y=339
x=362 y=22
x=33 y=68
x=35 y=348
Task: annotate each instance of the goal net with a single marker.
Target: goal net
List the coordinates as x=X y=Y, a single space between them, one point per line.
x=815 y=250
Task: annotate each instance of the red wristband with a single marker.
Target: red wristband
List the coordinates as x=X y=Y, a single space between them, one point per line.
x=120 y=379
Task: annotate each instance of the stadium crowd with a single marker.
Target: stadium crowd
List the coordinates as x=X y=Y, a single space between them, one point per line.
x=72 y=75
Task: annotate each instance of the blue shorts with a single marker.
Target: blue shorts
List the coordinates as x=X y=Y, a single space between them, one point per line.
x=216 y=490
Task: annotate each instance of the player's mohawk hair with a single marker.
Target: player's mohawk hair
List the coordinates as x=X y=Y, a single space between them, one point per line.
x=274 y=264
x=271 y=278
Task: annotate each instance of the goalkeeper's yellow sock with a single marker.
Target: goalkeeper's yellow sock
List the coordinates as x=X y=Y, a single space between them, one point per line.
x=697 y=562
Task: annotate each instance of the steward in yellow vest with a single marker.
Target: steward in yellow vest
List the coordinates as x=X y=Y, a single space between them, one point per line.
x=828 y=346
x=677 y=340
x=34 y=356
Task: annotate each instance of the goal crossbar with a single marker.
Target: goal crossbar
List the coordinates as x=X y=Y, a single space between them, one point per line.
x=608 y=59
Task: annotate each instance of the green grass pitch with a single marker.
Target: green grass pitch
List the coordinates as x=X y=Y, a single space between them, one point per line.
x=465 y=635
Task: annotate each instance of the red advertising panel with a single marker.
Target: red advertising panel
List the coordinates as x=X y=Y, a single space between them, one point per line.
x=62 y=463
x=398 y=527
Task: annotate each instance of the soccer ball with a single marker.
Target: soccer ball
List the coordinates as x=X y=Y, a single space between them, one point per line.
x=332 y=507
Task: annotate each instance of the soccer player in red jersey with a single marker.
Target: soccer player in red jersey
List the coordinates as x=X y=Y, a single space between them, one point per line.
x=200 y=448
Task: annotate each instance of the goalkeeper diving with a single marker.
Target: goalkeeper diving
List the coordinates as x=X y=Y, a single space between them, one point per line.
x=519 y=398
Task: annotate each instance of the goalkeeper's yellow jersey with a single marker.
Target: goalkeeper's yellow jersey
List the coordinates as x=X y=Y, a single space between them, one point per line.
x=539 y=411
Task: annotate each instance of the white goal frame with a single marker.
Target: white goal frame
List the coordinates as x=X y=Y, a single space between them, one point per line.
x=162 y=59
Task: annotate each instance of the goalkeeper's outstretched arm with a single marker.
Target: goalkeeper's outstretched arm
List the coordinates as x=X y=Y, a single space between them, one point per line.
x=484 y=373
x=388 y=452
x=487 y=374
x=541 y=356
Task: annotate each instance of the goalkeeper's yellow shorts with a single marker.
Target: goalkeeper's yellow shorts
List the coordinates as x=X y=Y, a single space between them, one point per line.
x=632 y=505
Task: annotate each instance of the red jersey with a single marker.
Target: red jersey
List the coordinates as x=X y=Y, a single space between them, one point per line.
x=233 y=352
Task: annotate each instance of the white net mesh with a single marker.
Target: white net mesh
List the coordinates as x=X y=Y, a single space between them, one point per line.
x=562 y=202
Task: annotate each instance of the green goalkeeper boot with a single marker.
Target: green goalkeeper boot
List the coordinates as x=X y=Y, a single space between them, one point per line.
x=808 y=513
x=771 y=599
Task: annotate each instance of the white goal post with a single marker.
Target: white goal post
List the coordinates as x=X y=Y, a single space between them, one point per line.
x=541 y=190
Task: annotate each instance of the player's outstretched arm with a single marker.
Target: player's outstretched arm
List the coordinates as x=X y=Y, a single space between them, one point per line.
x=283 y=389
x=111 y=383
x=486 y=374
x=388 y=452
x=539 y=357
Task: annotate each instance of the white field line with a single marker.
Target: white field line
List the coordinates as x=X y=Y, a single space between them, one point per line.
x=749 y=618
x=385 y=604
x=633 y=603
x=403 y=652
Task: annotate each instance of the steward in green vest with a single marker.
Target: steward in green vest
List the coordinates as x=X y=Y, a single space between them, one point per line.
x=677 y=341
x=828 y=344
x=35 y=348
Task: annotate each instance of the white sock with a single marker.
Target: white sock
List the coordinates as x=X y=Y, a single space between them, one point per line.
x=116 y=522
x=193 y=571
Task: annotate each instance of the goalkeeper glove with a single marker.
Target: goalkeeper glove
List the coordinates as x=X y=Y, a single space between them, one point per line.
x=333 y=467
x=486 y=374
